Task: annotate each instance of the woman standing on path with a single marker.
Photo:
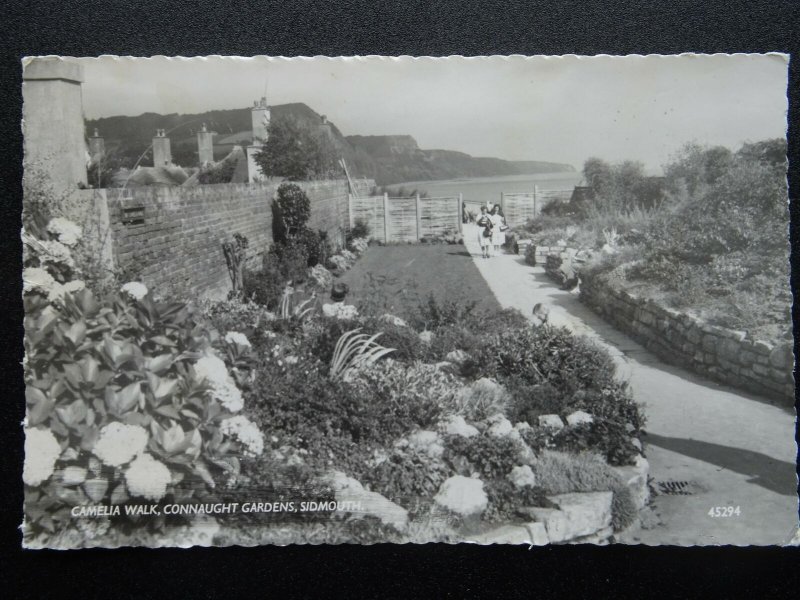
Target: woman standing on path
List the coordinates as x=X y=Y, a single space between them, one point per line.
x=498 y=229
x=485 y=225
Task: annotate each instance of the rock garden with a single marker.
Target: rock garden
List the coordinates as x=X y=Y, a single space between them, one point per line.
x=317 y=420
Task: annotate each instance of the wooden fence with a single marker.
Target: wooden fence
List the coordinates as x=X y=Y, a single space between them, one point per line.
x=519 y=207
x=393 y=220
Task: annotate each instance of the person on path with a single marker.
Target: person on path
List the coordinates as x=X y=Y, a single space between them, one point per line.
x=485 y=225
x=498 y=229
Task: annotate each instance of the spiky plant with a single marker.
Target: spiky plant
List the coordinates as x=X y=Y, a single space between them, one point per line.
x=355 y=350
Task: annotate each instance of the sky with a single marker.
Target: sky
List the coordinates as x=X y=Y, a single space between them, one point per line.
x=560 y=109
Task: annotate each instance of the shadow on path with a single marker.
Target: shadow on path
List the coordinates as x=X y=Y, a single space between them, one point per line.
x=775 y=475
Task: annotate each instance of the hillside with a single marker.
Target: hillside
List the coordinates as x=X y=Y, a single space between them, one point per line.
x=386 y=158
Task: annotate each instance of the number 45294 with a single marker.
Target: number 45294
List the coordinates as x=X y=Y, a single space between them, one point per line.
x=724 y=511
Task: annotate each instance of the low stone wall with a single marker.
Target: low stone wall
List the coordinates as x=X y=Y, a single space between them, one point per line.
x=724 y=355
x=581 y=517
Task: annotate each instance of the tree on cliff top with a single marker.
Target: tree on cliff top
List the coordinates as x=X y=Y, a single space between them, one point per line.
x=297 y=152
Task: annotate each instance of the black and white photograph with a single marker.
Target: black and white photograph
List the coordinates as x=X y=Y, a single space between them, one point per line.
x=519 y=300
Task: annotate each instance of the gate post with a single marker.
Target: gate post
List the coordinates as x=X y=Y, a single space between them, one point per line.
x=419 y=219
x=503 y=202
x=386 y=218
x=535 y=189
x=460 y=212
x=350 y=211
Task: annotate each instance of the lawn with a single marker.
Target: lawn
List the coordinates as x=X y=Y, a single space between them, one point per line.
x=395 y=279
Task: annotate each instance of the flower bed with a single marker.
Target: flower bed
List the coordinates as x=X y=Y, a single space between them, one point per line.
x=442 y=432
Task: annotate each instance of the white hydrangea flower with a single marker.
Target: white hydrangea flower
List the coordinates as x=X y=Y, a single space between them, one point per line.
x=55 y=253
x=211 y=368
x=74 y=286
x=240 y=339
x=148 y=478
x=292 y=360
x=135 y=290
x=118 y=443
x=349 y=256
x=36 y=278
x=67 y=232
x=227 y=394
x=244 y=431
x=41 y=452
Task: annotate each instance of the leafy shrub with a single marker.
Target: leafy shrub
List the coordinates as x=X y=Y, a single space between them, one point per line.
x=530 y=255
x=281 y=265
x=221 y=172
x=414 y=395
x=529 y=401
x=559 y=473
x=551 y=355
x=493 y=457
x=315 y=245
x=481 y=400
x=405 y=341
x=434 y=313
x=132 y=401
x=360 y=229
x=244 y=316
x=409 y=477
x=505 y=499
x=611 y=440
x=291 y=210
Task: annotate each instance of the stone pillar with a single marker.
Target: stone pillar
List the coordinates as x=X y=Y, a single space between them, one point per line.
x=162 y=154
x=205 y=145
x=54 y=133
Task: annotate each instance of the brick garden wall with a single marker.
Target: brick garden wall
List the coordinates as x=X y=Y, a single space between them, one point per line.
x=720 y=354
x=173 y=235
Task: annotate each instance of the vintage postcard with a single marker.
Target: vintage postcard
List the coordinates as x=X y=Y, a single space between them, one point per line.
x=496 y=300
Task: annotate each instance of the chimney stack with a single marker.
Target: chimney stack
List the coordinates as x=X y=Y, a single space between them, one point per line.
x=97 y=146
x=205 y=145
x=325 y=127
x=260 y=117
x=162 y=154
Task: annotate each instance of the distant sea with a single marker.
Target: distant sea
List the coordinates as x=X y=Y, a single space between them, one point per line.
x=481 y=189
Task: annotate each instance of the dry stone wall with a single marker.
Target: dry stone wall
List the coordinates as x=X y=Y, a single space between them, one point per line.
x=721 y=354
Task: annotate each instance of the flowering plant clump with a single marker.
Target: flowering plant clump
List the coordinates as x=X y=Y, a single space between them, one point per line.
x=67 y=232
x=118 y=443
x=244 y=431
x=321 y=277
x=338 y=262
x=41 y=452
x=233 y=337
x=340 y=310
x=349 y=256
x=135 y=290
x=125 y=399
x=148 y=478
x=359 y=245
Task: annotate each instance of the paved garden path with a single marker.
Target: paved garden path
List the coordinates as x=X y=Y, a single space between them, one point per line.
x=732 y=448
